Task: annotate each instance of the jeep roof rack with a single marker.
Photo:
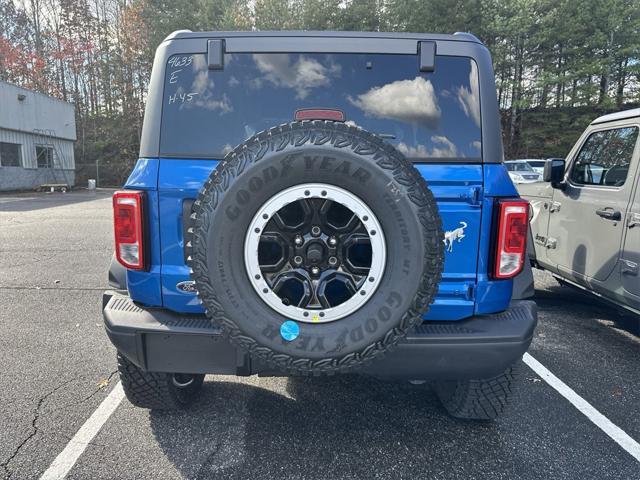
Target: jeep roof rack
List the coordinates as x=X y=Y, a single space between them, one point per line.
x=456 y=37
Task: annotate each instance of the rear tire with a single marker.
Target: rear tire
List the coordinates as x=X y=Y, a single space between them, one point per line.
x=483 y=399
x=157 y=391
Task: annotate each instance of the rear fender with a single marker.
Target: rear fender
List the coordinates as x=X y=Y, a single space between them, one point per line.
x=117 y=274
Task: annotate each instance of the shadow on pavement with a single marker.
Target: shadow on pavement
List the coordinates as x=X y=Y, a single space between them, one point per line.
x=571 y=300
x=340 y=427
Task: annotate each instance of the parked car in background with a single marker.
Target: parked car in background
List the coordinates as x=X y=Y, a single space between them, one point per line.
x=537 y=164
x=521 y=172
x=585 y=223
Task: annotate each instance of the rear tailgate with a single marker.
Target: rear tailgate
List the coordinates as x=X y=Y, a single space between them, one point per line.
x=457 y=189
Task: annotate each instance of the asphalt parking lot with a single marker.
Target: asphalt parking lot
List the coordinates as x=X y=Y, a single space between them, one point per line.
x=58 y=366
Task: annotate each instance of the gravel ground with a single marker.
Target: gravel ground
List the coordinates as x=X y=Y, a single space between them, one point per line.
x=59 y=365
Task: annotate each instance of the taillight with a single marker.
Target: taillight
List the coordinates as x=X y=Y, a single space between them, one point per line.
x=128 y=224
x=512 y=223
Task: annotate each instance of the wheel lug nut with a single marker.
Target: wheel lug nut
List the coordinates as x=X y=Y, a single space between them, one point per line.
x=298 y=240
x=297 y=259
x=333 y=241
x=333 y=261
x=315 y=231
x=315 y=270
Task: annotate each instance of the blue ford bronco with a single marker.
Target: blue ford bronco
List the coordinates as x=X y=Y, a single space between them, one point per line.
x=315 y=203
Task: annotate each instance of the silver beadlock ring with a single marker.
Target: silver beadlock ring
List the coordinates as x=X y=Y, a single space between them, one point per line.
x=325 y=192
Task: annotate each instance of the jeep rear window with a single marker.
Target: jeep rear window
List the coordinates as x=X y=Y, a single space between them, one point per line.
x=432 y=116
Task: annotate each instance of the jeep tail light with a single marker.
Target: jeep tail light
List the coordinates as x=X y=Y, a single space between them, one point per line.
x=510 y=238
x=128 y=224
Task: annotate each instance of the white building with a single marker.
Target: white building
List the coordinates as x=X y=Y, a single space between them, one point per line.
x=37 y=133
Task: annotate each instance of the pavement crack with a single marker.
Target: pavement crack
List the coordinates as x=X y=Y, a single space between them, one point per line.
x=34 y=429
x=99 y=389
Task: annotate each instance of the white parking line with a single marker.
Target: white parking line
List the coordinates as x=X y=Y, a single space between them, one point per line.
x=65 y=461
x=69 y=456
x=603 y=423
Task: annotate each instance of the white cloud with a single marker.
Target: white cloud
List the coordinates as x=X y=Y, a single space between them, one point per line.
x=442 y=148
x=202 y=95
x=411 y=101
x=233 y=81
x=199 y=63
x=469 y=99
x=201 y=82
x=206 y=101
x=411 y=151
x=302 y=76
x=476 y=145
x=201 y=92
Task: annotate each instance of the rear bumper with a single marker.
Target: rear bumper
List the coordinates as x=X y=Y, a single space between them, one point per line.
x=164 y=341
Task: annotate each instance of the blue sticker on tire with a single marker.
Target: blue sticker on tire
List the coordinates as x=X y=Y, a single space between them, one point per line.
x=289 y=330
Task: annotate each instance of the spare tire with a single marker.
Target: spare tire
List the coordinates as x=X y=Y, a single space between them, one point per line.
x=316 y=247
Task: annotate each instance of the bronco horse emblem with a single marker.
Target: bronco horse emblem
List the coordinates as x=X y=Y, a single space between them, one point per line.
x=453 y=235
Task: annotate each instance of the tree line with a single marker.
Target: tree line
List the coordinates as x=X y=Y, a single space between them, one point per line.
x=557 y=62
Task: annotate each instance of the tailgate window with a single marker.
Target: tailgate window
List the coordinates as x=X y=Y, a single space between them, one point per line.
x=431 y=116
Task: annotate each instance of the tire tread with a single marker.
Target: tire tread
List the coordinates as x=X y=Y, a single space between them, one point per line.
x=152 y=390
x=484 y=399
x=340 y=135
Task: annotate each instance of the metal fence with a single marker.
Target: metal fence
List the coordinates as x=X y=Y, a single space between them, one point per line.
x=107 y=174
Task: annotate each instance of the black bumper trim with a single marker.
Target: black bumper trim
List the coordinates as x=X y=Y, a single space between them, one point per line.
x=164 y=341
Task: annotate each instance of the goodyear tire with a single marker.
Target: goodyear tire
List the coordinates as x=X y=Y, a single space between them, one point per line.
x=316 y=247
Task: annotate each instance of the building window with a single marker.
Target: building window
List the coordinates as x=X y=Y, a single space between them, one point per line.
x=44 y=156
x=10 y=154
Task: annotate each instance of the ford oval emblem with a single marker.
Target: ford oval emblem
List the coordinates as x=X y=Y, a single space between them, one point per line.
x=188 y=286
